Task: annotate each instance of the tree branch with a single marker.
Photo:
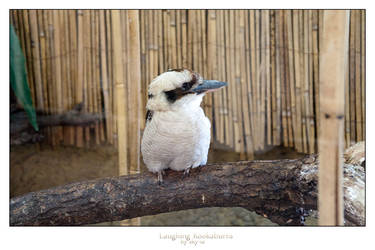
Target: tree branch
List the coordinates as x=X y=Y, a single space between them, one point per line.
x=280 y=190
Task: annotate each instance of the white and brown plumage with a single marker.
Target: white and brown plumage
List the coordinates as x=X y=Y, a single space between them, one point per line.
x=177 y=132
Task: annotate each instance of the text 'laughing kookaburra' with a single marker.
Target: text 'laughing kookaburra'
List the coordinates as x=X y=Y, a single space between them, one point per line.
x=177 y=132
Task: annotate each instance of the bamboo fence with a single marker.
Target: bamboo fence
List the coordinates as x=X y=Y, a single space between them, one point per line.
x=270 y=58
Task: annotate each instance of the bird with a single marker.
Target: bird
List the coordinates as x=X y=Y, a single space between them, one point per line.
x=177 y=132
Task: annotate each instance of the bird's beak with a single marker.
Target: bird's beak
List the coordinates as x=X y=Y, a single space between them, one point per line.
x=209 y=86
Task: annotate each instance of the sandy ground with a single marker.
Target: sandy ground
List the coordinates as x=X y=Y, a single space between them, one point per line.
x=37 y=166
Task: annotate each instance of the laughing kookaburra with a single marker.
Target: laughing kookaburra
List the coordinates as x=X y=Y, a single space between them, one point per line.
x=177 y=132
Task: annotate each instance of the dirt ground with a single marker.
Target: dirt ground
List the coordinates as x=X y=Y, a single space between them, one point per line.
x=38 y=166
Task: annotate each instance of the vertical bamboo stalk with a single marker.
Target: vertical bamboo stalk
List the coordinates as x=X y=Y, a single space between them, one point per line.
x=282 y=79
x=229 y=129
x=352 y=77
x=332 y=69
x=173 y=38
x=244 y=108
x=358 y=91
x=162 y=66
x=184 y=38
x=64 y=70
x=311 y=85
x=273 y=77
x=292 y=83
x=297 y=49
x=80 y=73
x=287 y=80
x=254 y=77
x=268 y=76
x=58 y=72
x=315 y=51
x=96 y=70
x=237 y=80
x=134 y=87
x=212 y=62
x=222 y=73
x=303 y=80
x=120 y=93
x=214 y=47
x=28 y=55
x=248 y=83
x=363 y=71
x=88 y=99
x=104 y=77
x=36 y=59
x=178 y=39
x=43 y=51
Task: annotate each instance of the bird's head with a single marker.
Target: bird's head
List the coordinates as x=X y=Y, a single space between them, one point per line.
x=176 y=88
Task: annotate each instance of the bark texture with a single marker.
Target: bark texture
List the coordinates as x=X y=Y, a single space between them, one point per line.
x=282 y=190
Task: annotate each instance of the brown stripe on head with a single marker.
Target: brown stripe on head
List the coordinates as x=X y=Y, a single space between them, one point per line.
x=175 y=94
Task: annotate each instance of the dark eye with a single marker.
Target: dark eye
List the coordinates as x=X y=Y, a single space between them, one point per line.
x=150 y=96
x=186 y=86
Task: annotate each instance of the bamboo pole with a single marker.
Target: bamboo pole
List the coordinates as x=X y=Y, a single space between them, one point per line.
x=212 y=61
x=352 y=77
x=178 y=38
x=268 y=76
x=36 y=59
x=48 y=68
x=28 y=55
x=363 y=71
x=111 y=83
x=184 y=38
x=258 y=71
x=52 y=79
x=298 y=135
x=160 y=33
x=58 y=72
x=273 y=77
x=87 y=71
x=218 y=97
x=244 y=109
x=292 y=84
x=231 y=137
x=80 y=73
x=288 y=83
x=236 y=99
x=254 y=79
x=173 y=39
x=43 y=52
x=120 y=93
x=282 y=79
x=99 y=128
x=248 y=83
x=309 y=117
x=311 y=86
x=104 y=77
x=64 y=71
x=134 y=87
x=303 y=81
x=222 y=74
x=358 y=91
x=315 y=51
x=332 y=78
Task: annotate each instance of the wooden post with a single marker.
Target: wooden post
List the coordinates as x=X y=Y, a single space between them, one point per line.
x=134 y=87
x=120 y=93
x=333 y=61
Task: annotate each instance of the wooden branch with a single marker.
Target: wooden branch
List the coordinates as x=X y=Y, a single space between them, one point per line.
x=20 y=122
x=280 y=190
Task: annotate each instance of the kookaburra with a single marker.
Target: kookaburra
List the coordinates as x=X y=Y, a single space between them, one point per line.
x=177 y=132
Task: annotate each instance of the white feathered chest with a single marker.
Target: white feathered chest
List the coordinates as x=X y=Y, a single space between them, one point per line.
x=177 y=139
